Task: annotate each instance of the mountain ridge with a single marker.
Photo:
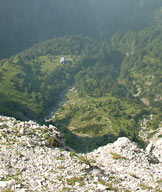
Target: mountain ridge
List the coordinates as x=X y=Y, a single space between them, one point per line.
x=31 y=159
x=114 y=64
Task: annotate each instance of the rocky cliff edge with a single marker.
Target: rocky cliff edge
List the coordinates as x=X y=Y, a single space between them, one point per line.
x=35 y=158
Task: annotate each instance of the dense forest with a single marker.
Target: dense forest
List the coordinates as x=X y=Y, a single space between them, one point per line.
x=113 y=75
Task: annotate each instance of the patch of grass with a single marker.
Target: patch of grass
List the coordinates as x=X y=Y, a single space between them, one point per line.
x=73 y=180
x=73 y=154
x=159 y=181
x=151 y=134
x=2 y=126
x=117 y=156
x=16 y=177
x=51 y=140
x=144 y=187
x=111 y=177
x=134 y=175
x=60 y=158
x=84 y=160
x=160 y=136
x=59 y=178
x=44 y=130
x=61 y=167
x=66 y=189
x=108 y=185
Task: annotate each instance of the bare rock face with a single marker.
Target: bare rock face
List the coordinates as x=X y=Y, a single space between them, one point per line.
x=34 y=158
x=131 y=165
x=149 y=147
x=29 y=133
x=157 y=150
x=7 y=184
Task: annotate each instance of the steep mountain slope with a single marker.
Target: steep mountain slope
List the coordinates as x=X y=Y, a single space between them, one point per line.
x=126 y=15
x=24 y=23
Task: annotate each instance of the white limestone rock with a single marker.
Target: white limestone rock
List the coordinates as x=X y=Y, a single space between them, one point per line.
x=149 y=147
x=27 y=157
x=157 y=150
x=6 y=184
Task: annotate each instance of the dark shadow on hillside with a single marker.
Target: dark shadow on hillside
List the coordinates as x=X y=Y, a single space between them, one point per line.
x=14 y=109
x=82 y=144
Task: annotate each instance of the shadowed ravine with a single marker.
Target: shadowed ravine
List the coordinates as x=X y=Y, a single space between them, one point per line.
x=83 y=144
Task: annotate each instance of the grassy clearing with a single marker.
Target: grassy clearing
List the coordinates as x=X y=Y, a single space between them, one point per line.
x=50 y=62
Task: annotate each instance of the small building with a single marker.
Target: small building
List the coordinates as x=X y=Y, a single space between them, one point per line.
x=63 y=60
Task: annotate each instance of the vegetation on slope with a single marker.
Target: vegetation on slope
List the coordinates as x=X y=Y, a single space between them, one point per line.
x=35 y=78
x=141 y=69
x=117 y=85
x=104 y=118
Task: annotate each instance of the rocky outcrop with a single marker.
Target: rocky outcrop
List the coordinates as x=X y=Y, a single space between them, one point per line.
x=131 y=165
x=35 y=158
x=157 y=151
x=28 y=133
